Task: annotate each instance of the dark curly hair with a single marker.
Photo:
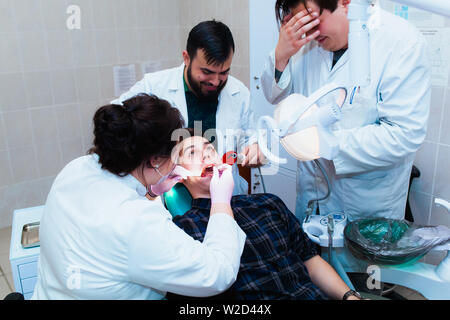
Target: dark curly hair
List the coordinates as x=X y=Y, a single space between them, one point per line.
x=128 y=136
x=284 y=7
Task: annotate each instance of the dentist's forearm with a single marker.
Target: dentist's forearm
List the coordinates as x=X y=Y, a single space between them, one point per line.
x=221 y=208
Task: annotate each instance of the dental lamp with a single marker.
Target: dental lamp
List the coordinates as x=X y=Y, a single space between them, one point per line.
x=303 y=126
x=358 y=39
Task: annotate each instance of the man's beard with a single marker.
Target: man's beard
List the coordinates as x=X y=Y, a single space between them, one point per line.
x=197 y=90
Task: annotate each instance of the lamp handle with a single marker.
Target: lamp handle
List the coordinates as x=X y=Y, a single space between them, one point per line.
x=270 y=126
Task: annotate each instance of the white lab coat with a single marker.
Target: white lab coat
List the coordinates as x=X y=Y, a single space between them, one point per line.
x=380 y=131
x=102 y=239
x=233 y=111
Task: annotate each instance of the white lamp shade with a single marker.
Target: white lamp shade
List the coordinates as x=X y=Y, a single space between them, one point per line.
x=303 y=124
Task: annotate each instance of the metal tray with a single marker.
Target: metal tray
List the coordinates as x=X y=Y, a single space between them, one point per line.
x=30 y=235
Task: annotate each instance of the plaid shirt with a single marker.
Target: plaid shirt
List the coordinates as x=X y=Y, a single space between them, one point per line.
x=272 y=264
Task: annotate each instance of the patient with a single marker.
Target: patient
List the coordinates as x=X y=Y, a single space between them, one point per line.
x=279 y=261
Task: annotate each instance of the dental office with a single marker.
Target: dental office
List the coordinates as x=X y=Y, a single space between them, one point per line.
x=238 y=150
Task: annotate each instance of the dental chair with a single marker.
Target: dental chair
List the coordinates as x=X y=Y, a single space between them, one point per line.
x=178 y=200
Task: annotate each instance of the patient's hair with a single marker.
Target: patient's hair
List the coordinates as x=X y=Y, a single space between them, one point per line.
x=128 y=136
x=216 y=40
x=284 y=7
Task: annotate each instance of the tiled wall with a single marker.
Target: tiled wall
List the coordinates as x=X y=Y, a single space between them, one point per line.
x=52 y=79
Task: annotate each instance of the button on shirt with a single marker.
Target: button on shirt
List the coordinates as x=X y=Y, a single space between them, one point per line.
x=272 y=264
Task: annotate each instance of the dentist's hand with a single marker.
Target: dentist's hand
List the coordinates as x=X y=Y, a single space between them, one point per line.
x=291 y=38
x=253 y=157
x=177 y=175
x=221 y=190
x=221 y=186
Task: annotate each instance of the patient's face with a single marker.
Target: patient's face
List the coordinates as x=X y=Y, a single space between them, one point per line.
x=196 y=154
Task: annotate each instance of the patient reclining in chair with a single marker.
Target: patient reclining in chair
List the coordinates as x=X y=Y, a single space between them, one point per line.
x=279 y=261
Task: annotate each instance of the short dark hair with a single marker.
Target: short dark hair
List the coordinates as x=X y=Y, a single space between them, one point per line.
x=130 y=135
x=283 y=7
x=215 y=38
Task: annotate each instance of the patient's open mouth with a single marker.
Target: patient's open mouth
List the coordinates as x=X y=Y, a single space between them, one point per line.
x=208 y=170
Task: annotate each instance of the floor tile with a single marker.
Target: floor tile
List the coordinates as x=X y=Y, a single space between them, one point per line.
x=4 y=288
x=4 y=263
x=5 y=240
x=10 y=281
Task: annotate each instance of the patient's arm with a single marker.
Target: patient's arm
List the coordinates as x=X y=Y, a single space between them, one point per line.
x=326 y=278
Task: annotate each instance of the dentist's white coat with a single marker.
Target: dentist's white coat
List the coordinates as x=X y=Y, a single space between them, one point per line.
x=102 y=239
x=380 y=131
x=233 y=112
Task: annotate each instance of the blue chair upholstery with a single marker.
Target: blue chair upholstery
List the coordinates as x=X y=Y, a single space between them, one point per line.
x=178 y=200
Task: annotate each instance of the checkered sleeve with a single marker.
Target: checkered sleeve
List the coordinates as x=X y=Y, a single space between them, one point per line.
x=298 y=240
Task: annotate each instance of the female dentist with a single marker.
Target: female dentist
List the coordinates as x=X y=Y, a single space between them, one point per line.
x=101 y=238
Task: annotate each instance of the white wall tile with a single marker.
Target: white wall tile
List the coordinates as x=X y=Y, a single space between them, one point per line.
x=43 y=122
x=3 y=145
x=54 y=13
x=10 y=59
x=442 y=185
x=33 y=45
x=45 y=186
x=5 y=169
x=425 y=162
x=106 y=45
x=7 y=20
x=68 y=121
x=168 y=14
x=241 y=40
x=64 y=87
x=13 y=94
x=434 y=121
x=420 y=207
x=87 y=82
x=107 y=82
x=240 y=14
x=48 y=158
x=149 y=44
x=27 y=194
x=224 y=12
x=103 y=11
x=38 y=86
x=28 y=15
x=146 y=13
x=445 y=133
x=18 y=128
x=170 y=44
x=23 y=163
x=125 y=14
x=7 y=206
x=71 y=149
x=128 y=45
x=60 y=49
x=83 y=48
